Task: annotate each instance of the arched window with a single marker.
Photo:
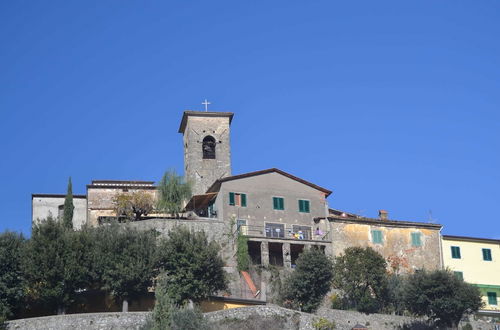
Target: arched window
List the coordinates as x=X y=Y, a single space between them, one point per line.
x=208 y=147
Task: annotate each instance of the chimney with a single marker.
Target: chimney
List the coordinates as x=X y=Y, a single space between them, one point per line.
x=382 y=214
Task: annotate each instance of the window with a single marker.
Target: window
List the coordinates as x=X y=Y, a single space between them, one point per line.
x=301 y=232
x=416 y=239
x=304 y=206
x=208 y=147
x=237 y=199
x=487 y=254
x=278 y=203
x=459 y=275
x=455 y=252
x=492 y=298
x=275 y=230
x=377 y=236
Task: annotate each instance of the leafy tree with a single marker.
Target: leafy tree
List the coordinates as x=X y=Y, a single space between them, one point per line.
x=441 y=296
x=56 y=264
x=68 y=207
x=11 y=275
x=124 y=261
x=172 y=191
x=192 y=265
x=310 y=282
x=361 y=275
x=134 y=205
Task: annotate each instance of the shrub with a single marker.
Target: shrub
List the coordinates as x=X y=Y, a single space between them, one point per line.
x=323 y=324
x=185 y=318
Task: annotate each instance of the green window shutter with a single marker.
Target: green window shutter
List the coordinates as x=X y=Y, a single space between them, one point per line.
x=304 y=206
x=416 y=239
x=492 y=298
x=244 y=200
x=231 y=198
x=278 y=203
x=487 y=254
x=459 y=275
x=377 y=236
x=455 y=252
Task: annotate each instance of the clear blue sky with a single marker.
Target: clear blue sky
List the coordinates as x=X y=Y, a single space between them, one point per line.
x=391 y=104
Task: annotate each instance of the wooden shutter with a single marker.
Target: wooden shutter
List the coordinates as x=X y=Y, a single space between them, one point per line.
x=244 y=200
x=231 y=198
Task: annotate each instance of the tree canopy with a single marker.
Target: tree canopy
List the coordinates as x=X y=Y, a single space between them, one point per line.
x=133 y=205
x=11 y=275
x=360 y=273
x=441 y=296
x=124 y=261
x=309 y=283
x=193 y=267
x=172 y=191
x=55 y=264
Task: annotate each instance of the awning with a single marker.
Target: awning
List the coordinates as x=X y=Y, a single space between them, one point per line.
x=200 y=201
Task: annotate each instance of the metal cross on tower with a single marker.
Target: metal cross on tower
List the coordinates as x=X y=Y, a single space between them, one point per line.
x=206 y=103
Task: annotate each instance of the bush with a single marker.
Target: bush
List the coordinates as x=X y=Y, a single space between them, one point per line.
x=323 y=324
x=185 y=318
x=11 y=275
x=309 y=283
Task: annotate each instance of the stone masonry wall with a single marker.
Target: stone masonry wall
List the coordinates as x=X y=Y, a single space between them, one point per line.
x=247 y=318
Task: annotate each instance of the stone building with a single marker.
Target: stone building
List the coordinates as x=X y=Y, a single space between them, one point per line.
x=407 y=246
x=275 y=209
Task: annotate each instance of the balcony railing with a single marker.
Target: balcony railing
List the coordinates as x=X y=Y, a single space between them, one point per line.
x=284 y=232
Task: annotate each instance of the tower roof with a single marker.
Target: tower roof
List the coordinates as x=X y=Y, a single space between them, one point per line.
x=188 y=113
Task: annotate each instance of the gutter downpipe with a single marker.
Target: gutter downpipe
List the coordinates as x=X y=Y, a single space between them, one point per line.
x=441 y=261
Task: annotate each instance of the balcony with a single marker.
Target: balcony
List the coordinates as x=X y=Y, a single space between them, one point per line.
x=284 y=232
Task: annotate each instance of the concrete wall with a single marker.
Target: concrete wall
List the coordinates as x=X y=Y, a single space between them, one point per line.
x=204 y=172
x=44 y=205
x=260 y=190
x=474 y=269
x=396 y=243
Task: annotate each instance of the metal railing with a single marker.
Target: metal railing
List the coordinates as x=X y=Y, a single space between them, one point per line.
x=285 y=232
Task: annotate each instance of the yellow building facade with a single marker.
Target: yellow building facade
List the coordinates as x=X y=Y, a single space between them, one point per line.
x=477 y=261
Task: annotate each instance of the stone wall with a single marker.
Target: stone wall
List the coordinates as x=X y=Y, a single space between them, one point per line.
x=91 y=321
x=246 y=318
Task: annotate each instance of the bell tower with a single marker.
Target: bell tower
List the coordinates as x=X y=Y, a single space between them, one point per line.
x=207 y=148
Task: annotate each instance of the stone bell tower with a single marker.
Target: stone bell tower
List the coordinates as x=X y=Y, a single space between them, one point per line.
x=207 y=148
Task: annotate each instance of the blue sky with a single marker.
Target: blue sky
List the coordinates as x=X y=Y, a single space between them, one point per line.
x=391 y=104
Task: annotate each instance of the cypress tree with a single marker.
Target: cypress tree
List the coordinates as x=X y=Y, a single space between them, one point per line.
x=68 y=207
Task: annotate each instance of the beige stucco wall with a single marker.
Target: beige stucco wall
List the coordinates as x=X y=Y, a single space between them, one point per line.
x=396 y=245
